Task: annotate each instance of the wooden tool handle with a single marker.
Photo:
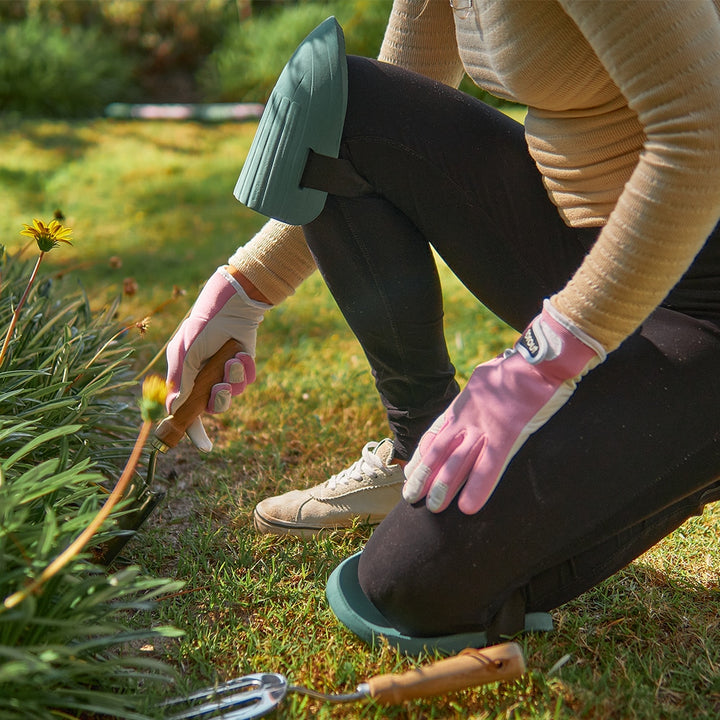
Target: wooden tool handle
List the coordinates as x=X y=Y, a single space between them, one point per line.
x=173 y=427
x=468 y=669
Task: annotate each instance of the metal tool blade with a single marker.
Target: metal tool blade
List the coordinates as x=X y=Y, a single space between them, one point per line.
x=250 y=696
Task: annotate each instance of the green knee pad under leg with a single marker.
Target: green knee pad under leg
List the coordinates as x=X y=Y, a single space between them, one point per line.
x=305 y=111
x=354 y=610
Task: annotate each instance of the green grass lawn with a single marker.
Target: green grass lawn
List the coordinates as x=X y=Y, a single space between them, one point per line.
x=644 y=644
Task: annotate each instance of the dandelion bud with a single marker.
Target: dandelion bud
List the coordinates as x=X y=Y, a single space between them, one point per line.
x=152 y=403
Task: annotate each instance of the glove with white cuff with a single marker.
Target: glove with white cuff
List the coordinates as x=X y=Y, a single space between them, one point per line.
x=222 y=311
x=506 y=400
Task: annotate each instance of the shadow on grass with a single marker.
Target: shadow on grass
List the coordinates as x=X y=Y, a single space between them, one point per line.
x=57 y=135
x=644 y=643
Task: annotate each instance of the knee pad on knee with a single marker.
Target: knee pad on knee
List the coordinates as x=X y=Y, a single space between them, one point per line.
x=305 y=112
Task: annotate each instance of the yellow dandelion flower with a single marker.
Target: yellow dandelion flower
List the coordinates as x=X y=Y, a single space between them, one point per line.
x=154 y=393
x=47 y=236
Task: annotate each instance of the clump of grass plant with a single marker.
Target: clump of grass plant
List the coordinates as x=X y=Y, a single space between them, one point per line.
x=68 y=421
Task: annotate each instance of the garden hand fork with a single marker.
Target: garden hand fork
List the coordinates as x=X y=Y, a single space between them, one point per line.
x=253 y=696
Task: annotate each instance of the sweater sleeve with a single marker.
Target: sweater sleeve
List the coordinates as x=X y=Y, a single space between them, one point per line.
x=665 y=59
x=276 y=260
x=420 y=36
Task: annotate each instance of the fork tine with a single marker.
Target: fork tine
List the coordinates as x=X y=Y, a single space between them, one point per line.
x=246 y=697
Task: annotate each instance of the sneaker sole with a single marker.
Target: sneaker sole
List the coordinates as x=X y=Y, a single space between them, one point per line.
x=278 y=527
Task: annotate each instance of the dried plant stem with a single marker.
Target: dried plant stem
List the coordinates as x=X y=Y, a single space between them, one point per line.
x=161 y=351
x=72 y=268
x=16 y=314
x=79 y=543
x=25 y=248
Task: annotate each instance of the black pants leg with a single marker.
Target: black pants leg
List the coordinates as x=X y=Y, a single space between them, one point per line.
x=616 y=469
x=620 y=466
x=448 y=172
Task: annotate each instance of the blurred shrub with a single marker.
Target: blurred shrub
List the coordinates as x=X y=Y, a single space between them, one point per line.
x=72 y=57
x=51 y=71
x=69 y=58
x=169 y=40
x=246 y=64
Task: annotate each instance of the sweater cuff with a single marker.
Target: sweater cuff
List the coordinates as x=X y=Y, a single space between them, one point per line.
x=276 y=261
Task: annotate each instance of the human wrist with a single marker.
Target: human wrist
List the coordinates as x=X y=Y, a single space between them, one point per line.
x=571 y=327
x=252 y=292
x=563 y=351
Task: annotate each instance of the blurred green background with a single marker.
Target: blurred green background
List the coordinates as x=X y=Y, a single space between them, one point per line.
x=70 y=58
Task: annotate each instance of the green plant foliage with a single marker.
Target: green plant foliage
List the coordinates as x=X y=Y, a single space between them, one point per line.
x=51 y=71
x=246 y=64
x=67 y=422
x=65 y=365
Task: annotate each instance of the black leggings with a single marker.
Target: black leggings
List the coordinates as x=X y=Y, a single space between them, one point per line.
x=634 y=452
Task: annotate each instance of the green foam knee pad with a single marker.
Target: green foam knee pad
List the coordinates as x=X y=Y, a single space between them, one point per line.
x=305 y=111
x=353 y=609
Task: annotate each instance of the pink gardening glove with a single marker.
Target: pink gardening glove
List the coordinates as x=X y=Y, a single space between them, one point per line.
x=221 y=312
x=505 y=401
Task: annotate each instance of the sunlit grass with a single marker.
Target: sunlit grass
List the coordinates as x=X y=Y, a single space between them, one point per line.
x=157 y=196
x=644 y=644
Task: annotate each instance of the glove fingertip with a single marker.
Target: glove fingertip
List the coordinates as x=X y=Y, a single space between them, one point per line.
x=468 y=507
x=414 y=488
x=437 y=499
x=411 y=466
x=220 y=398
x=234 y=372
x=249 y=365
x=471 y=502
x=198 y=436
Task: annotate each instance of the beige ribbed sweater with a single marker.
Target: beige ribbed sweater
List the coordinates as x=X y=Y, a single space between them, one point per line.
x=623 y=122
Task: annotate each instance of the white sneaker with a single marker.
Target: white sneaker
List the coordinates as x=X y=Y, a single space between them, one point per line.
x=366 y=491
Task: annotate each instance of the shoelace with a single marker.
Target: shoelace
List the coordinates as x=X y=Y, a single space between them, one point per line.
x=369 y=464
